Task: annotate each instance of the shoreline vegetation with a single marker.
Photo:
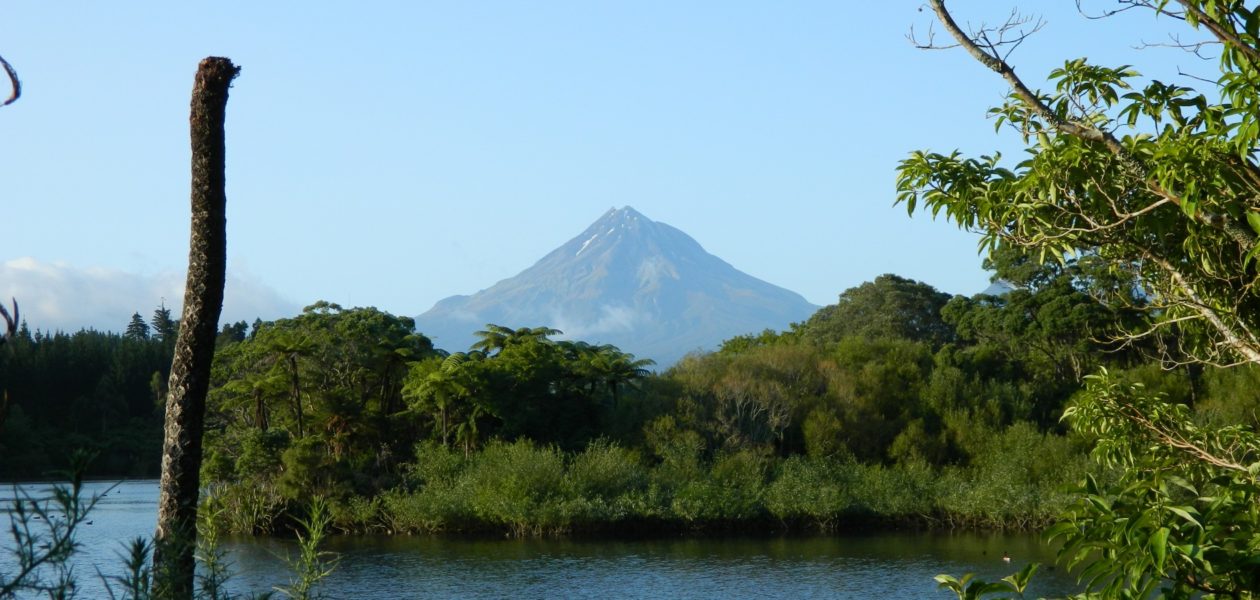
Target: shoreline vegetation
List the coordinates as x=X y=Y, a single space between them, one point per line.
x=896 y=407
x=520 y=489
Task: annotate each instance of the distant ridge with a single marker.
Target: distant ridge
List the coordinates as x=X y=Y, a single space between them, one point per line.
x=626 y=280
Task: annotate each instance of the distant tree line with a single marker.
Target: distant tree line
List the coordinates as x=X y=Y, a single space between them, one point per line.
x=90 y=390
x=101 y=392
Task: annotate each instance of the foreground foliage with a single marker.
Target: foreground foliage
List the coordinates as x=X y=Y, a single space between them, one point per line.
x=1158 y=180
x=43 y=540
x=44 y=545
x=1178 y=518
x=1181 y=517
x=1156 y=184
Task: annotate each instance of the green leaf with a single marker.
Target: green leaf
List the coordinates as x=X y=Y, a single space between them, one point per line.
x=1096 y=572
x=1253 y=219
x=1158 y=546
x=1185 y=514
x=980 y=589
x=1062 y=528
x=1019 y=581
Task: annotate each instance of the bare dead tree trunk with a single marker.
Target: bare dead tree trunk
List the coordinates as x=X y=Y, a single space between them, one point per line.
x=176 y=535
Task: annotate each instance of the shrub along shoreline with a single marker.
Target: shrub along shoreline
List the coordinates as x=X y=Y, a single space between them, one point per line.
x=525 y=490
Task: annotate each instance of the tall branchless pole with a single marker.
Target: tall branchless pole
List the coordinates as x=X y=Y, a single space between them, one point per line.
x=176 y=535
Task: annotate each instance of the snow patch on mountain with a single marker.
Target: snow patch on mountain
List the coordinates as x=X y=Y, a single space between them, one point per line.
x=585 y=244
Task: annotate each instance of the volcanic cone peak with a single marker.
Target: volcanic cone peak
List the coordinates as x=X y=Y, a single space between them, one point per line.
x=627 y=280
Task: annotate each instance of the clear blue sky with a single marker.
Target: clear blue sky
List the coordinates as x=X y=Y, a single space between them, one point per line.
x=392 y=154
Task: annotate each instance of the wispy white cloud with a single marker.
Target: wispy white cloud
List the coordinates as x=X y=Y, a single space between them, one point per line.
x=58 y=296
x=612 y=319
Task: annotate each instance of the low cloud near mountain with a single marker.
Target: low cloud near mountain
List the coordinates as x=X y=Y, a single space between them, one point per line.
x=58 y=296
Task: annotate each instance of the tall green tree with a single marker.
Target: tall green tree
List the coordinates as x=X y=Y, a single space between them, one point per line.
x=137 y=329
x=326 y=390
x=454 y=394
x=518 y=383
x=617 y=369
x=289 y=347
x=232 y=332
x=889 y=307
x=164 y=327
x=539 y=393
x=495 y=338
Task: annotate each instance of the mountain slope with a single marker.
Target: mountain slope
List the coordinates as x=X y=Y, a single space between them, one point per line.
x=627 y=280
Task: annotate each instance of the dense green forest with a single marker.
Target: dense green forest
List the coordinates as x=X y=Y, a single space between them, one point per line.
x=897 y=405
x=90 y=390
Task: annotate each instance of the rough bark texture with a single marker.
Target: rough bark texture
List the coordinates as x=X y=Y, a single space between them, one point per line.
x=176 y=535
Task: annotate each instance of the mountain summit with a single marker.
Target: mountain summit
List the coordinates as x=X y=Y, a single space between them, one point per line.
x=627 y=280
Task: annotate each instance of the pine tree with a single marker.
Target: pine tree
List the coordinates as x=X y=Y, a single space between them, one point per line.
x=164 y=327
x=137 y=329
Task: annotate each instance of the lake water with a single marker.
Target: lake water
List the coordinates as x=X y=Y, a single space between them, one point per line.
x=880 y=565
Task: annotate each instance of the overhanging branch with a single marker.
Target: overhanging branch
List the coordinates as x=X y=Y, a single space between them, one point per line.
x=1226 y=35
x=1241 y=235
x=1233 y=339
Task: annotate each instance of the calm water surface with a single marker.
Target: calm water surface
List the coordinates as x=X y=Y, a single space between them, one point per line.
x=883 y=565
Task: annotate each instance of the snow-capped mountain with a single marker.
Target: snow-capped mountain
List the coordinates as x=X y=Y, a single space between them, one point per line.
x=642 y=285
